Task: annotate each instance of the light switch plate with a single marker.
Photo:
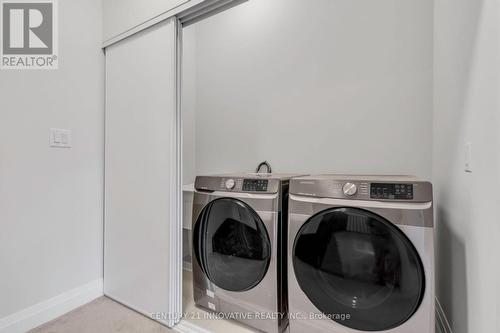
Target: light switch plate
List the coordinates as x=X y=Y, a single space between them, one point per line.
x=60 y=138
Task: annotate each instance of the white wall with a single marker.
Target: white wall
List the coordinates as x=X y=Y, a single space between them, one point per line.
x=338 y=86
x=51 y=199
x=467 y=109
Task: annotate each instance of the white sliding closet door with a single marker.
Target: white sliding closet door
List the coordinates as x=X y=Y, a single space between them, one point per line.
x=142 y=260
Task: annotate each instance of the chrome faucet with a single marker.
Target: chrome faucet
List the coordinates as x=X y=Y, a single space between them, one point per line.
x=266 y=164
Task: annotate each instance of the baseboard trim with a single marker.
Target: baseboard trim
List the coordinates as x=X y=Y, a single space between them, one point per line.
x=187 y=327
x=442 y=323
x=50 y=309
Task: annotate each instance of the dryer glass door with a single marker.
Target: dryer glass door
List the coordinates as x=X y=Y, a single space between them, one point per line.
x=352 y=262
x=231 y=244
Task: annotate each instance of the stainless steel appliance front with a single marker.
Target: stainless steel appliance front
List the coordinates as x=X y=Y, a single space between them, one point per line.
x=360 y=259
x=238 y=266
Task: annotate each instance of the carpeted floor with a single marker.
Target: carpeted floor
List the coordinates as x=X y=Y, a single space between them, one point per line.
x=107 y=316
x=102 y=316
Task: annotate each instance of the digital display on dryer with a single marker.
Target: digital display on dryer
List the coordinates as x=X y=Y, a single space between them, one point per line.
x=255 y=185
x=391 y=191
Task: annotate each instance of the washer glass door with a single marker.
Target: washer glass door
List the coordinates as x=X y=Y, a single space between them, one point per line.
x=231 y=244
x=353 y=262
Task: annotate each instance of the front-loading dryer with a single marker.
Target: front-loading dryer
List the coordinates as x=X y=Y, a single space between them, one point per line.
x=239 y=236
x=361 y=254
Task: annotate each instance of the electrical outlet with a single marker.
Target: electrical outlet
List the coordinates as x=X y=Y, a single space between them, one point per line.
x=60 y=138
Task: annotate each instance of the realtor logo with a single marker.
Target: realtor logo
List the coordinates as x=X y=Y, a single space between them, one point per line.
x=29 y=34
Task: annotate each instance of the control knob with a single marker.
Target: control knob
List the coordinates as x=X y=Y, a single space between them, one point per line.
x=230 y=183
x=349 y=189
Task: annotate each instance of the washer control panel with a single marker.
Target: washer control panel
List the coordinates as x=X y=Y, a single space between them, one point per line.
x=255 y=185
x=391 y=191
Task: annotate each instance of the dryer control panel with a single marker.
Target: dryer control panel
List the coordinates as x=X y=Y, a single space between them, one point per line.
x=376 y=188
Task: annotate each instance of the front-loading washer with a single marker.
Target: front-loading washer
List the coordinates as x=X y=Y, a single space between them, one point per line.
x=361 y=254
x=239 y=236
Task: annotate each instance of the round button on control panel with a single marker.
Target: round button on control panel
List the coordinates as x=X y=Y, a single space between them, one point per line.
x=230 y=183
x=349 y=189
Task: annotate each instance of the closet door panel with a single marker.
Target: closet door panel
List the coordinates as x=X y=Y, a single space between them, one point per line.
x=142 y=225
